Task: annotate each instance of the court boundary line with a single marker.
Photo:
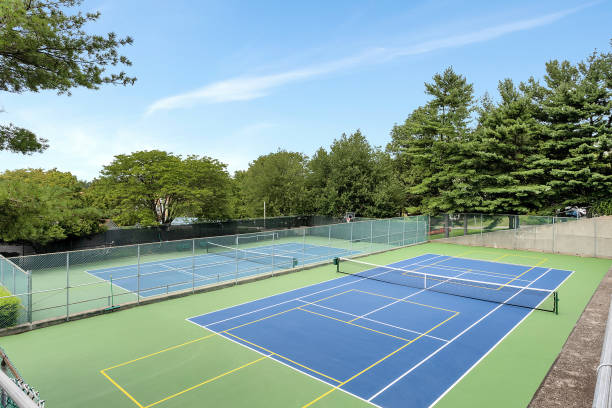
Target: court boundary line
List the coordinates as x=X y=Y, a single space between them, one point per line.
x=395 y=381
x=372 y=320
x=353 y=281
x=376 y=363
x=488 y=260
x=496 y=344
x=291 y=367
x=340 y=383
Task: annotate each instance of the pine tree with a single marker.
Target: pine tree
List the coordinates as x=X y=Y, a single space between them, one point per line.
x=435 y=148
x=577 y=130
x=509 y=179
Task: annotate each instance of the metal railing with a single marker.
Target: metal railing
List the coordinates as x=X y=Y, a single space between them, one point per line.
x=62 y=284
x=603 y=387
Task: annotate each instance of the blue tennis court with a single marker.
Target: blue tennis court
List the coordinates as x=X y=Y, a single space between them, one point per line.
x=219 y=264
x=396 y=335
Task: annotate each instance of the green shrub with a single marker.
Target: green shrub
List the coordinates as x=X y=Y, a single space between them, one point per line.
x=602 y=208
x=9 y=309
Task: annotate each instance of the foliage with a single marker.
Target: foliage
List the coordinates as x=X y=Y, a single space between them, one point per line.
x=508 y=176
x=9 y=309
x=41 y=206
x=576 y=130
x=279 y=180
x=44 y=47
x=353 y=176
x=434 y=148
x=601 y=208
x=154 y=187
x=20 y=140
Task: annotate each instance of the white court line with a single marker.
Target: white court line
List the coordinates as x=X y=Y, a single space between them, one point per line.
x=300 y=297
x=285 y=364
x=496 y=344
x=371 y=320
x=451 y=341
x=415 y=293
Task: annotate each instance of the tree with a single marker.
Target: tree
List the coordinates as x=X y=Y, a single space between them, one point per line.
x=509 y=178
x=40 y=206
x=576 y=131
x=154 y=187
x=354 y=176
x=279 y=180
x=434 y=148
x=42 y=47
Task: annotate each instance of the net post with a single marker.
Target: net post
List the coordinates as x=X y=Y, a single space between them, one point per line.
x=138 y=274
x=337 y=263
x=67 y=285
x=193 y=265
x=556 y=302
x=112 y=296
x=29 y=296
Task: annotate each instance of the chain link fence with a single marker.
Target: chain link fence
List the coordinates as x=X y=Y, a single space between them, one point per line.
x=563 y=235
x=62 y=284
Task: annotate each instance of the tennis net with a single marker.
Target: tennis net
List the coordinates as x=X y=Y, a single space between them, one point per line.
x=496 y=292
x=276 y=261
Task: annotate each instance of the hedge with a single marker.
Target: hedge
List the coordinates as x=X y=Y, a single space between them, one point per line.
x=9 y=308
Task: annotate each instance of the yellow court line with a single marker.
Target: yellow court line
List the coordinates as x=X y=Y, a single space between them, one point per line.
x=407 y=301
x=285 y=311
x=475 y=271
x=162 y=351
x=377 y=362
x=283 y=357
x=533 y=267
x=499 y=258
x=353 y=324
x=206 y=382
x=121 y=389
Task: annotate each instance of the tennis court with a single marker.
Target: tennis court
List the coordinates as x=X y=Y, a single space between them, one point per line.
x=220 y=263
x=395 y=335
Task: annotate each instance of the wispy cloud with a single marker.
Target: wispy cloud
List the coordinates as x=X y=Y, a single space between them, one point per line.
x=252 y=87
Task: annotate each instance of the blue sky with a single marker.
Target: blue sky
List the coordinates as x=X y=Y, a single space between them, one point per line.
x=235 y=80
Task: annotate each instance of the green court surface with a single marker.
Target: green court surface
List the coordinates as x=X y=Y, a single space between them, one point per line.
x=165 y=361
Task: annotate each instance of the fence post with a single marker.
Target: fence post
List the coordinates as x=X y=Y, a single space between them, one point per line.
x=29 y=295
x=404 y=231
x=554 y=234
x=465 y=224
x=67 y=285
x=14 y=284
x=2 y=271
x=446 y=226
x=193 y=265
x=389 y=232
x=351 y=237
x=138 y=274
x=481 y=228
x=304 y=240
x=594 y=237
x=371 y=234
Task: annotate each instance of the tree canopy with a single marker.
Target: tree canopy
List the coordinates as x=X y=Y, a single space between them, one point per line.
x=154 y=187
x=41 y=206
x=45 y=47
